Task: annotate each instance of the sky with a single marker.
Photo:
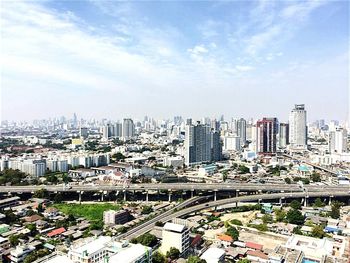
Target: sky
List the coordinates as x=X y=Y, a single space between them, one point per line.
x=109 y=59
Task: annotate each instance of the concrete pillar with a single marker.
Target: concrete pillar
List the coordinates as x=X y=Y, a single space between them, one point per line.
x=281 y=200
x=192 y=191
x=215 y=191
x=146 y=196
x=102 y=195
x=305 y=200
x=124 y=195
x=80 y=197
x=237 y=194
x=170 y=196
x=330 y=200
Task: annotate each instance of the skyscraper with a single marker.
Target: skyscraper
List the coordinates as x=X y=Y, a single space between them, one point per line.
x=266 y=140
x=242 y=130
x=283 y=138
x=128 y=129
x=197 y=144
x=338 y=140
x=216 y=146
x=297 y=127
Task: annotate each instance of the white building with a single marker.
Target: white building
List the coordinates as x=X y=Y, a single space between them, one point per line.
x=213 y=255
x=128 y=129
x=297 y=127
x=232 y=143
x=174 y=161
x=175 y=235
x=20 y=252
x=105 y=249
x=31 y=166
x=338 y=140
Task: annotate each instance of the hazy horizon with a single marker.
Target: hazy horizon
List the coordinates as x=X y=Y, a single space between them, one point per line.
x=105 y=59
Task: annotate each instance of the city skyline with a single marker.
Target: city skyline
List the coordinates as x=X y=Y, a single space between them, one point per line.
x=106 y=59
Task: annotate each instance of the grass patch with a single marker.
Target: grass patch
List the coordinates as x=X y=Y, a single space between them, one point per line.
x=92 y=212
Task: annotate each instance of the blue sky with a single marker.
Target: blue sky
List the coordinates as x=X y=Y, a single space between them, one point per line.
x=116 y=59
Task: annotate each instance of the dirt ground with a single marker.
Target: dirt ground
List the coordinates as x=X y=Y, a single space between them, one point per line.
x=244 y=217
x=265 y=239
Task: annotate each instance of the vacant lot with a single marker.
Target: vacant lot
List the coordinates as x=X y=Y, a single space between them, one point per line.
x=244 y=217
x=93 y=212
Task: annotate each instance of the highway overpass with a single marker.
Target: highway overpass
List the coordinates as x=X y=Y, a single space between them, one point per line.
x=248 y=187
x=147 y=226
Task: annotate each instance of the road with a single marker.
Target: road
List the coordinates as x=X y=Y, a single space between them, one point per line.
x=144 y=228
x=148 y=225
x=177 y=187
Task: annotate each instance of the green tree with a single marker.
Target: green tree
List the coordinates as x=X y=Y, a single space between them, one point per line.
x=233 y=232
x=173 y=253
x=316 y=177
x=236 y=222
x=317 y=231
x=58 y=198
x=280 y=215
x=118 y=156
x=14 y=240
x=41 y=193
x=318 y=203
x=32 y=229
x=30 y=258
x=146 y=210
x=242 y=169
x=287 y=180
x=335 y=209
x=243 y=260
x=158 y=257
x=147 y=240
x=267 y=218
x=195 y=259
x=295 y=217
x=295 y=205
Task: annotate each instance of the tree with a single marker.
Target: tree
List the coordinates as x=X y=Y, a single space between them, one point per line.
x=267 y=218
x=118 y=156
x=146 y=210
x=41 y=193
x=288 y=180
x=243 y=260
x=335 y=209
x=316 y=177
x=147 y=240
x=233 y=232
x=295 y=217
x=318 y=203
x=236 y=222
x=14 y=240
x=158 y=257
x=317 y=231
x=242 y=169
x=195 y=259
x=280 y=215
x=30 y=258
x=32 y=229
x=58 y=198
x=173 y=253
x=295 y=205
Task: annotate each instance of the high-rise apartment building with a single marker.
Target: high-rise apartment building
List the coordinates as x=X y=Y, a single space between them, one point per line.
x=242 y=130
x=197 y=144
x=128 y=129
x=283 y=135
x=266 y=140
x=216 y=147
x=83 y=132
x=338 y=140
x=297 y=127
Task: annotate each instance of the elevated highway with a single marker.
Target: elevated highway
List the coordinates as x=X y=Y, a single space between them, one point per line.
x=249 y=187
x=147 y=226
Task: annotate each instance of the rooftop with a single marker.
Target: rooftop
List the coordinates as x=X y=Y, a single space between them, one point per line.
x=174 y=227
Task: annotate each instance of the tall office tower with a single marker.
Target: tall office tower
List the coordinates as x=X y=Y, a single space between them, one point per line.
x=128 y=129
x=297 y=127
x=215 y=125
x=232 y=143
x=75 y=120
x=105 y=131
x=242 y=130
x=83 y=132
x=177 y=120
x=216 y=147
x=266 y=140
x=118 y=130
x=338 y=140
x=197 y=144
x=283 y=138
x=234 y=126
